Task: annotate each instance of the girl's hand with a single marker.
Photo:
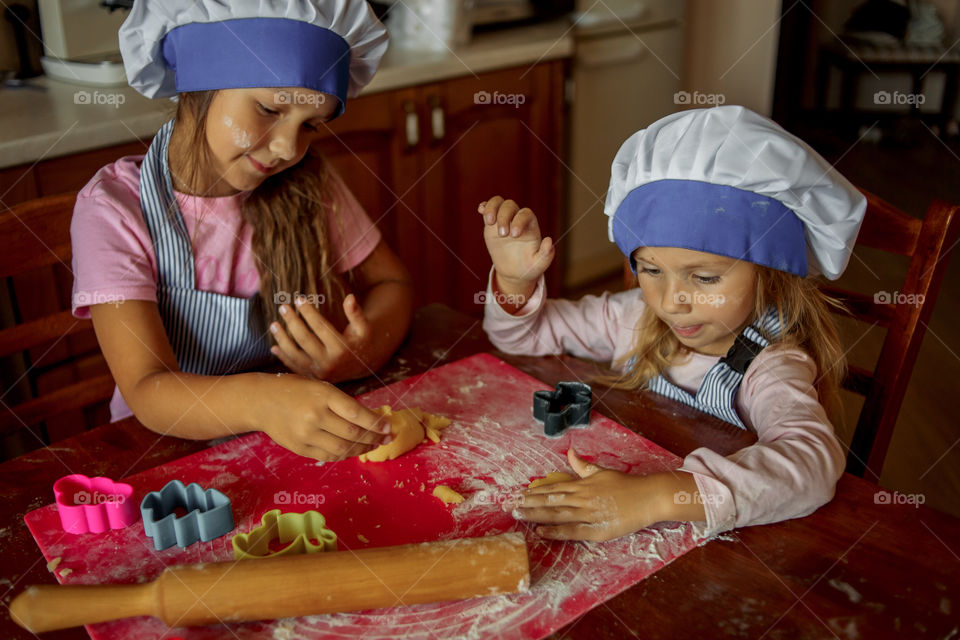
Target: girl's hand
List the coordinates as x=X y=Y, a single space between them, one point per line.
x=312 y=347
x=315 y=419
x=602 y=505
x=519 y=254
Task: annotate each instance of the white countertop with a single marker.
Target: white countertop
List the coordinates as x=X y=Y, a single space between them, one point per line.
x=62 y=118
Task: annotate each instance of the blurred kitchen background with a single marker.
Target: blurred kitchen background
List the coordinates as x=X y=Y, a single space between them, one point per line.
x=531 y=99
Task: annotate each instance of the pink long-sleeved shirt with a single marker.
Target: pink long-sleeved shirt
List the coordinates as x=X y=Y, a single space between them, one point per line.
x=795 y=464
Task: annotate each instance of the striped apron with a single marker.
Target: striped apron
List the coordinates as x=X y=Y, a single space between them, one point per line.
x=211 y=333
x=719 y=387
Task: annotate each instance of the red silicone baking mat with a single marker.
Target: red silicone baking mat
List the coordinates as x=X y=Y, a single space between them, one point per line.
x=492 y=449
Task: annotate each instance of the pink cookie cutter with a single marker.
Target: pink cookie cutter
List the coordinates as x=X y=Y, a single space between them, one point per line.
x=94 y=505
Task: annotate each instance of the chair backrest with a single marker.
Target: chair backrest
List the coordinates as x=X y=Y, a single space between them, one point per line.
x=54 y=366
x=927 y=243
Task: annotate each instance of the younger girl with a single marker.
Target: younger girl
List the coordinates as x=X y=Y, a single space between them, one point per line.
x=723 y=216
x=228 y=232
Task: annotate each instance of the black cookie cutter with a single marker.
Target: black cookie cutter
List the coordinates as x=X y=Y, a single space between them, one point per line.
x=567 y=406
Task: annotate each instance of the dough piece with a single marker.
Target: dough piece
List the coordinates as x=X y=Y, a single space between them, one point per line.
x=407 y=433
x=433 y=425
x=409 y=427
x=551 y=478
x=448 y=495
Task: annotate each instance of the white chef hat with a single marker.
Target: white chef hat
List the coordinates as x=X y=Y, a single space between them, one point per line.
x=172 y=46
x=730 y=182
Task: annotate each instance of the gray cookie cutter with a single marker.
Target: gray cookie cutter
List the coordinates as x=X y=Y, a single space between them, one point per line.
x=566 y=406
x=208 y=515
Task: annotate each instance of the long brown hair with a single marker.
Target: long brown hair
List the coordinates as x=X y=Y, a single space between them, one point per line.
x=805 y=321
x=288 y=213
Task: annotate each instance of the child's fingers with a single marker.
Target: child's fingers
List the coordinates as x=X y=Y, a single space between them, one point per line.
x=544 y=255
x=318 y=453
x=583 y=468
x=338 y=435
x=313 y=327
x=505 y=215
x=559 y=495
x=300 y=333
x=288 y=351
x=568 y=487
x=482 y=210
x=555 y=515
x=539 y=262
x=338 y=448
x=359 y=325
x=490 y=208
x=525 y=221
x=594 y=532
x=312 y=451
x=355 y=413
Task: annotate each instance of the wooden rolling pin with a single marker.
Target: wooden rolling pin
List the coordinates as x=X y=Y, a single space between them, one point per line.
x=290 y=586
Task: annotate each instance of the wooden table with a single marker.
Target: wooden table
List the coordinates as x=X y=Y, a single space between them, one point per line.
x=853 y=569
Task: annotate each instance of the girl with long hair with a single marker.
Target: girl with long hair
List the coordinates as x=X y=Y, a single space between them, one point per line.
x=725 y=219
x=230 y=244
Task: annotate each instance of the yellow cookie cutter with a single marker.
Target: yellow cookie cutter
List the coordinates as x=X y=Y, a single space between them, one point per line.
x=297 y=529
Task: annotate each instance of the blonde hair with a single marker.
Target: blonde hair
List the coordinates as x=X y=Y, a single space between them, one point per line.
x=805 y=320
x=288 y=213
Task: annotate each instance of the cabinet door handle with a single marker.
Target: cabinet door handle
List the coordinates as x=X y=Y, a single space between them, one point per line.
x=412 y=124
x=437 y=124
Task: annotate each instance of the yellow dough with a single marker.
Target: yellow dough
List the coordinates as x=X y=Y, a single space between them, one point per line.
x=448 y=495
x=434 y=424
x=409 y=427
x=551 y=478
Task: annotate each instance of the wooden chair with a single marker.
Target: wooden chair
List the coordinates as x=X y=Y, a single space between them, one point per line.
x=53 y=352
x=927 y=243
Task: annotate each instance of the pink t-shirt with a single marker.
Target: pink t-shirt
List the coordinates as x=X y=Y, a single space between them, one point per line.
x=795 y=464
x=114 y=257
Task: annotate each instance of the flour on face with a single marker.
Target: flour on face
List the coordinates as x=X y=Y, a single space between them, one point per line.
x=240 y=137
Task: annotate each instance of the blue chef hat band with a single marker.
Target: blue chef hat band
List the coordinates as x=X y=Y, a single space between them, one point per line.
x=244 y=53
x=713 y=218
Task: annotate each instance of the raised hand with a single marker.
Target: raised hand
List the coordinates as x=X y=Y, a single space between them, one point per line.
x=520 y=255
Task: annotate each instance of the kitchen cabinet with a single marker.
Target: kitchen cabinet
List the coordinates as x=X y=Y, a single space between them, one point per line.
x=16 y=185
x=420 y=160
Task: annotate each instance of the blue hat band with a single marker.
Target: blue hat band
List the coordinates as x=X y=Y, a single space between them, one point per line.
x=713 y=218
x=258 y=52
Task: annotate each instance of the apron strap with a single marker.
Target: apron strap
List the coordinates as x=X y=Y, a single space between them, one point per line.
x=210 y=333
x=719 y=387
x=162 y=214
